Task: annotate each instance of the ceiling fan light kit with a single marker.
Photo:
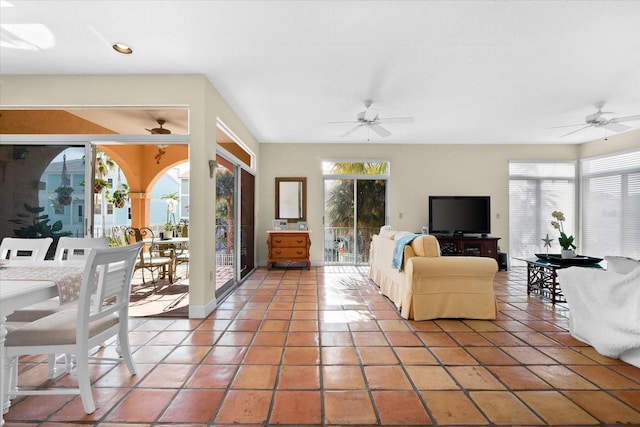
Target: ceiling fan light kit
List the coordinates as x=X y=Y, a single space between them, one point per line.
x=122 y=48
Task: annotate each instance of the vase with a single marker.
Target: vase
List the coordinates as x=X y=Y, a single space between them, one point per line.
x=568 y=253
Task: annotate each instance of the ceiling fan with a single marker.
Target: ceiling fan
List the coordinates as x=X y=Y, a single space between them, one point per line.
x=370 y=119
x=599 y=120
x=159 y=130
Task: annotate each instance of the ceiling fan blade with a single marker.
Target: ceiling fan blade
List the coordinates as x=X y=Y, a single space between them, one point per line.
x=566 y=126
x=396 y=120
x=575 y=131
x=340 y=123
x=625 y=119
x=616 y=127
x=379 y=130
x=352 y=130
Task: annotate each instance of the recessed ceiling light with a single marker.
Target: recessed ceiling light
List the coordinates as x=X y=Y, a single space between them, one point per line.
x=122 y=48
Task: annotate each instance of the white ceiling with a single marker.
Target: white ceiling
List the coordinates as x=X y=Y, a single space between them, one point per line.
x=467 y=71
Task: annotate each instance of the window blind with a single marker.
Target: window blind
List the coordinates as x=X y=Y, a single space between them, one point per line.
x=535 y=190
x=611 y=205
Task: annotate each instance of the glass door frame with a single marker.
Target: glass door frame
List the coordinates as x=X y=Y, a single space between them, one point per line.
x=66 y=141
x=355 y=178
x=237 y=279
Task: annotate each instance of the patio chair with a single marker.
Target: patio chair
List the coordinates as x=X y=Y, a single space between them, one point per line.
x=158 y=262
x=182 y=256
x=102 y=313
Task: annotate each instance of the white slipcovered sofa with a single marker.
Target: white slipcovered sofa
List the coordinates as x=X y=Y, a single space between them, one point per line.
x=430 y=286
x=604 y=307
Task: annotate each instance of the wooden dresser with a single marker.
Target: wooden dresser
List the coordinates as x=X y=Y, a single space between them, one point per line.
x=288 y=248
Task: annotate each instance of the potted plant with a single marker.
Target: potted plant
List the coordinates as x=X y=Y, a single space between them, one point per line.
x=120 y=196
x=168 y=229
x=64 y=194
x=183 y=226
x=566 y=242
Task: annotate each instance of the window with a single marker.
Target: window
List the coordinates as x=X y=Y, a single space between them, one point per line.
x=535 y=190
x=611 y=205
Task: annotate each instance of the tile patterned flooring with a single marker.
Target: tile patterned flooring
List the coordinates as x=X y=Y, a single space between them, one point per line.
x=323 y=347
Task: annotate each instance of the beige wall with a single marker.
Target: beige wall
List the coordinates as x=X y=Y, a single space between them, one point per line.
x=205 y=107
x=417 y=171
x=616 y=143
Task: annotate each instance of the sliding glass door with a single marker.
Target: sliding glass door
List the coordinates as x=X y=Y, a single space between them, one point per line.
x=354 y=209
x=43 y=191
x=225 y=224
x=247 y=223
x=235 y=225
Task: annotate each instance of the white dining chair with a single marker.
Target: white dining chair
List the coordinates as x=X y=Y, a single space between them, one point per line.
x=23 y=249
x=71 y=251
x=102 y=313
x=76 y=249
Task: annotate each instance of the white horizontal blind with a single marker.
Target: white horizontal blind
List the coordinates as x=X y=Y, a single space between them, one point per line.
x=535 y=190
x=611 y=205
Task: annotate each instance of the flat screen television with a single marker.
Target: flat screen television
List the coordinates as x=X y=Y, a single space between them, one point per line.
x=459 y=215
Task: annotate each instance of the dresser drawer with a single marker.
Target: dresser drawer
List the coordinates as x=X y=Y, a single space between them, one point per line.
x=282 y=253
x=289 y=241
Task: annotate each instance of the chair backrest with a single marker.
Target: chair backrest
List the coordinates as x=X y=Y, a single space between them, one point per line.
x=144 y=234
x=139 y=234
x=22 y=249
x=106 y=285
x=77 y=248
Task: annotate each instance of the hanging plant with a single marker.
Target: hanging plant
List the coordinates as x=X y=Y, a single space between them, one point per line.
x=100 y=184
x=64 y=195
x=120 y=196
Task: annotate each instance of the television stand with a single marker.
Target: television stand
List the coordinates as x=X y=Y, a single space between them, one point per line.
x=452 y=245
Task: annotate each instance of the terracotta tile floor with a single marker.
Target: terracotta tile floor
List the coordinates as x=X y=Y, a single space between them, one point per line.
x=323 y=347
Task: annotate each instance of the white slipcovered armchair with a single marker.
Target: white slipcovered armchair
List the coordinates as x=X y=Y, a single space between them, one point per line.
x=604 y=307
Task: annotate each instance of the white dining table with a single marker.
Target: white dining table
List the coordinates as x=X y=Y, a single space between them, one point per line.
x=15 y=294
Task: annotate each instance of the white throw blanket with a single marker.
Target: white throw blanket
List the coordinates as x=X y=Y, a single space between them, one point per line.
x=604 y=308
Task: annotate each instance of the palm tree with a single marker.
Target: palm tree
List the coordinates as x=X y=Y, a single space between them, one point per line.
x=370 y=200
x=104 y=164
x=172 y=200
x=224 y=207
